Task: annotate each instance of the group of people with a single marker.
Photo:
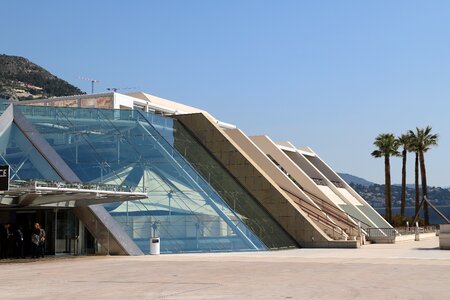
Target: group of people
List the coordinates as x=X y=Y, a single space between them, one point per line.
x=12 y=241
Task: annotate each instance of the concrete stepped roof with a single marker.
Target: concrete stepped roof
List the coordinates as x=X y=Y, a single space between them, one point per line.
x=182 y=108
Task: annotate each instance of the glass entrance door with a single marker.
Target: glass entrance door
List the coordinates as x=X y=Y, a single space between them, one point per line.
x=66 y=233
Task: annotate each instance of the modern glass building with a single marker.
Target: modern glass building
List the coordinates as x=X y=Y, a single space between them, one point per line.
x=106 y=173
x=134 y=151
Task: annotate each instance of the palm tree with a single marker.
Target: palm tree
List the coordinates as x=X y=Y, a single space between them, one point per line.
x=387 y=146
x=404 y=140
x=424 y=140
x=414 y=148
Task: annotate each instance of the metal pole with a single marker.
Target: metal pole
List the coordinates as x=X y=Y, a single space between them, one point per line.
x=436 y=210
x=108 y=242
x=92 y=86
x=418 y=211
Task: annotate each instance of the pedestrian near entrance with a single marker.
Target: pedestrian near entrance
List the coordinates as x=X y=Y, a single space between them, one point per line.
x=6 y=237
x=42 y=241
x=35 y=242
x=19 y=242
x=3 y=241
x=38 y=241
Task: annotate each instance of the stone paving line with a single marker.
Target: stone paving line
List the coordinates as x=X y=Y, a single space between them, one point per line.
x=407 y=270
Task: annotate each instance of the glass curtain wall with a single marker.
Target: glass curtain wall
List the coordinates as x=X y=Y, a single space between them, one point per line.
x=121 y=147
x=26 y=163
x=24 y=160
x=236 y=196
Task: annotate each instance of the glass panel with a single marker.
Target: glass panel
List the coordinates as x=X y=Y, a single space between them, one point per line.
x=248 y=208
x=121 y=147
x=66 y=232
x=3 y=105
x=24 y=160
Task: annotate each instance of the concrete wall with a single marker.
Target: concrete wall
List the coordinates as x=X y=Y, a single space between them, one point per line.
x=322 y=194
x=339 y=196
x=306 y=205
x=292 y=163
x=347 y=193
x=257 y=182
x=104 y=100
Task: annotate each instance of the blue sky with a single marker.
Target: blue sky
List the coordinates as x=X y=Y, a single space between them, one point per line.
x=327 y=74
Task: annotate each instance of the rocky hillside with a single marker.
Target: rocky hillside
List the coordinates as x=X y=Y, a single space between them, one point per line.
x=20 y=79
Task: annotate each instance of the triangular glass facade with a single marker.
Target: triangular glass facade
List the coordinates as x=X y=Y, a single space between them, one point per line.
x=122 y=147
x=24 y=160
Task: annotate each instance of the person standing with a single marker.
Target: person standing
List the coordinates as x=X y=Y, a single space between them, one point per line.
x=35 y=241
x=5 y=240
x=41 y=245
x=42 y=241
x=19 y=242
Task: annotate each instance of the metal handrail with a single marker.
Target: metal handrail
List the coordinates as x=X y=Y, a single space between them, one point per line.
x=320 y=217
x=70 y=185
x=425 y=199
x=381 y=232
x=412 y=229
x=323 y=220
x=335 y=209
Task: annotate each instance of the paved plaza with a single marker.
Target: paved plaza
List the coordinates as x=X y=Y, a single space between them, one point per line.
x=406 y=270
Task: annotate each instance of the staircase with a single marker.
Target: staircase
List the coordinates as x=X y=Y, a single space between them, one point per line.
x=330 y=219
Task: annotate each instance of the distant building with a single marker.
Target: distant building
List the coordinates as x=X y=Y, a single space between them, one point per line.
x=104 y=173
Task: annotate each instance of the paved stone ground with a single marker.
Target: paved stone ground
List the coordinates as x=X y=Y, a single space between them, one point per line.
x=407 y=270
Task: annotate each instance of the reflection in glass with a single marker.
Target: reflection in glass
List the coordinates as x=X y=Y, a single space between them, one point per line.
x=237 y=197
x=122 y=147
x=24 y=160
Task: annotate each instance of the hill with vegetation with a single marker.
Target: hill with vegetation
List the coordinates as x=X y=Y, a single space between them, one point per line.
x=20 y=79
x=374 y=193
x=355 y=179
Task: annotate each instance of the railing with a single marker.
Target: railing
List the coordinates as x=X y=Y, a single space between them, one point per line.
x=391 y=232
x=412 y=230
x=319 y=181
x=323 y=217
x=338 y=184
x=100 y=187
x=333 y=210
x=381 y=232
x=323 y=220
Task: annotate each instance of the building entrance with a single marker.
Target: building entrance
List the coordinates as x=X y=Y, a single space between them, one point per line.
x=65 y=234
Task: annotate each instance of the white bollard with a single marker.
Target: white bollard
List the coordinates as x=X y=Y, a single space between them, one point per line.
x=417 y=236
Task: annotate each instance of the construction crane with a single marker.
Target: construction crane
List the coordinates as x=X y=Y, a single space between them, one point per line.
x=115 y=89
x=93 y=81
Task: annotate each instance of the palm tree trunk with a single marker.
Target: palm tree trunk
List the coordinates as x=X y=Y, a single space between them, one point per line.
x=387 y=187
x=423 y=174
x=416 y=183
x=403 y=198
